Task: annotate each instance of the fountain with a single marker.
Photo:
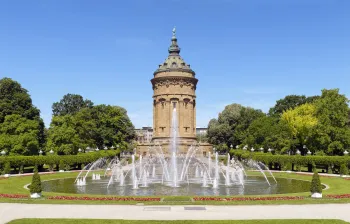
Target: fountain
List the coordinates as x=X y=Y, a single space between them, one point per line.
x=172 y=170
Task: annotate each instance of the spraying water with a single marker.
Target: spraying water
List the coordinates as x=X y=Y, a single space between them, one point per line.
x=134 y=177
x=227 y=177
x=173 y=148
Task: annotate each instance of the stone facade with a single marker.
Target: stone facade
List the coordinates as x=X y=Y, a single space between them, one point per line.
x=174 y=86
x=144 y=135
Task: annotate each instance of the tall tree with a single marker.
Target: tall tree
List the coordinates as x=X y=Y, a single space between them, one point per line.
x=98 y=126
x=269 y=132
x=70 y=104
x=231 y=125
x=19 y=135
x=290 y=102
x=16 y=108
x=63 y=137
x=15 y=100
x=333 y=133
x=247 y=116
x=301 y=120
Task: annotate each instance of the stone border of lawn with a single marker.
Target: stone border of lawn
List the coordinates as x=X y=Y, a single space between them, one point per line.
x=292 y=198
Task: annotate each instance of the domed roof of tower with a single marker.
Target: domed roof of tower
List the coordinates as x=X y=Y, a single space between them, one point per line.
x=174 y=62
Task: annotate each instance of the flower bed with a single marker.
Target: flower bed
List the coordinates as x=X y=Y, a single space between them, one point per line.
x=13 y=196
x=339 y=196
x=74 y=198
x=101 y=198
x=282 y=198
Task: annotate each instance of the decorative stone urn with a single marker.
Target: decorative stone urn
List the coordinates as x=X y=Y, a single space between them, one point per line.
x=316 y=195
x=35 y=195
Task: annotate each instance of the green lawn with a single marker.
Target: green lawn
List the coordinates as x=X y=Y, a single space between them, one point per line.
x=14 y=185
x=97 y=221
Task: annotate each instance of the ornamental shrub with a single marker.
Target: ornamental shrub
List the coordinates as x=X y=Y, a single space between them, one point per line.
x=35 y=186
x=344 y=169
x=316 y=186
x=7 y=168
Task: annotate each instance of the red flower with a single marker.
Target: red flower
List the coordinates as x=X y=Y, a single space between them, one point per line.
x=339 y=196
x=268 y=198
x=13 y=196
x=86 y=198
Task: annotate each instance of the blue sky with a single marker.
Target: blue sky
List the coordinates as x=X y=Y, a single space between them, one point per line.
x=250 y=52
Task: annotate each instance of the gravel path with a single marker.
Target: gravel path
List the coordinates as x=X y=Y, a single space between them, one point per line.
x=11 y=211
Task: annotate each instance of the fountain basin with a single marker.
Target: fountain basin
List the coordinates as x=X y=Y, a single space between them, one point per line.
x=254 y=185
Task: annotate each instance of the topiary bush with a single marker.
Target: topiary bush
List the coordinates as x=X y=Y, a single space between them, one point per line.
x=35 y=186
x=316 y=186
x=344 y=169
x=7 y=168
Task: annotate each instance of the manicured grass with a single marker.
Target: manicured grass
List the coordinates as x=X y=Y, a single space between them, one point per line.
x=14 y=185
x=98 y=221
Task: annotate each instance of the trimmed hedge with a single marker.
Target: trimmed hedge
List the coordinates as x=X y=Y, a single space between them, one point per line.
x=287 y=160
x=344 y=169
x=51 y=160
x=7 y=168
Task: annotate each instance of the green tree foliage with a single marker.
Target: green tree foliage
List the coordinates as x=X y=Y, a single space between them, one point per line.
x=316 y=186
x=202 y=137
x=322 y=123
x=15 y=100
x=21 y=128
x=269 y=132
x=332 y=132
x=344 y=169
x=62 y=136
x=231 y=125
x=98 y=126
x=70 y=104
x=218 y=133
x=62 y=165
x=35 y=186
x=290 y=102
x=301 y=121
x=19 y=135
x=7 y=168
